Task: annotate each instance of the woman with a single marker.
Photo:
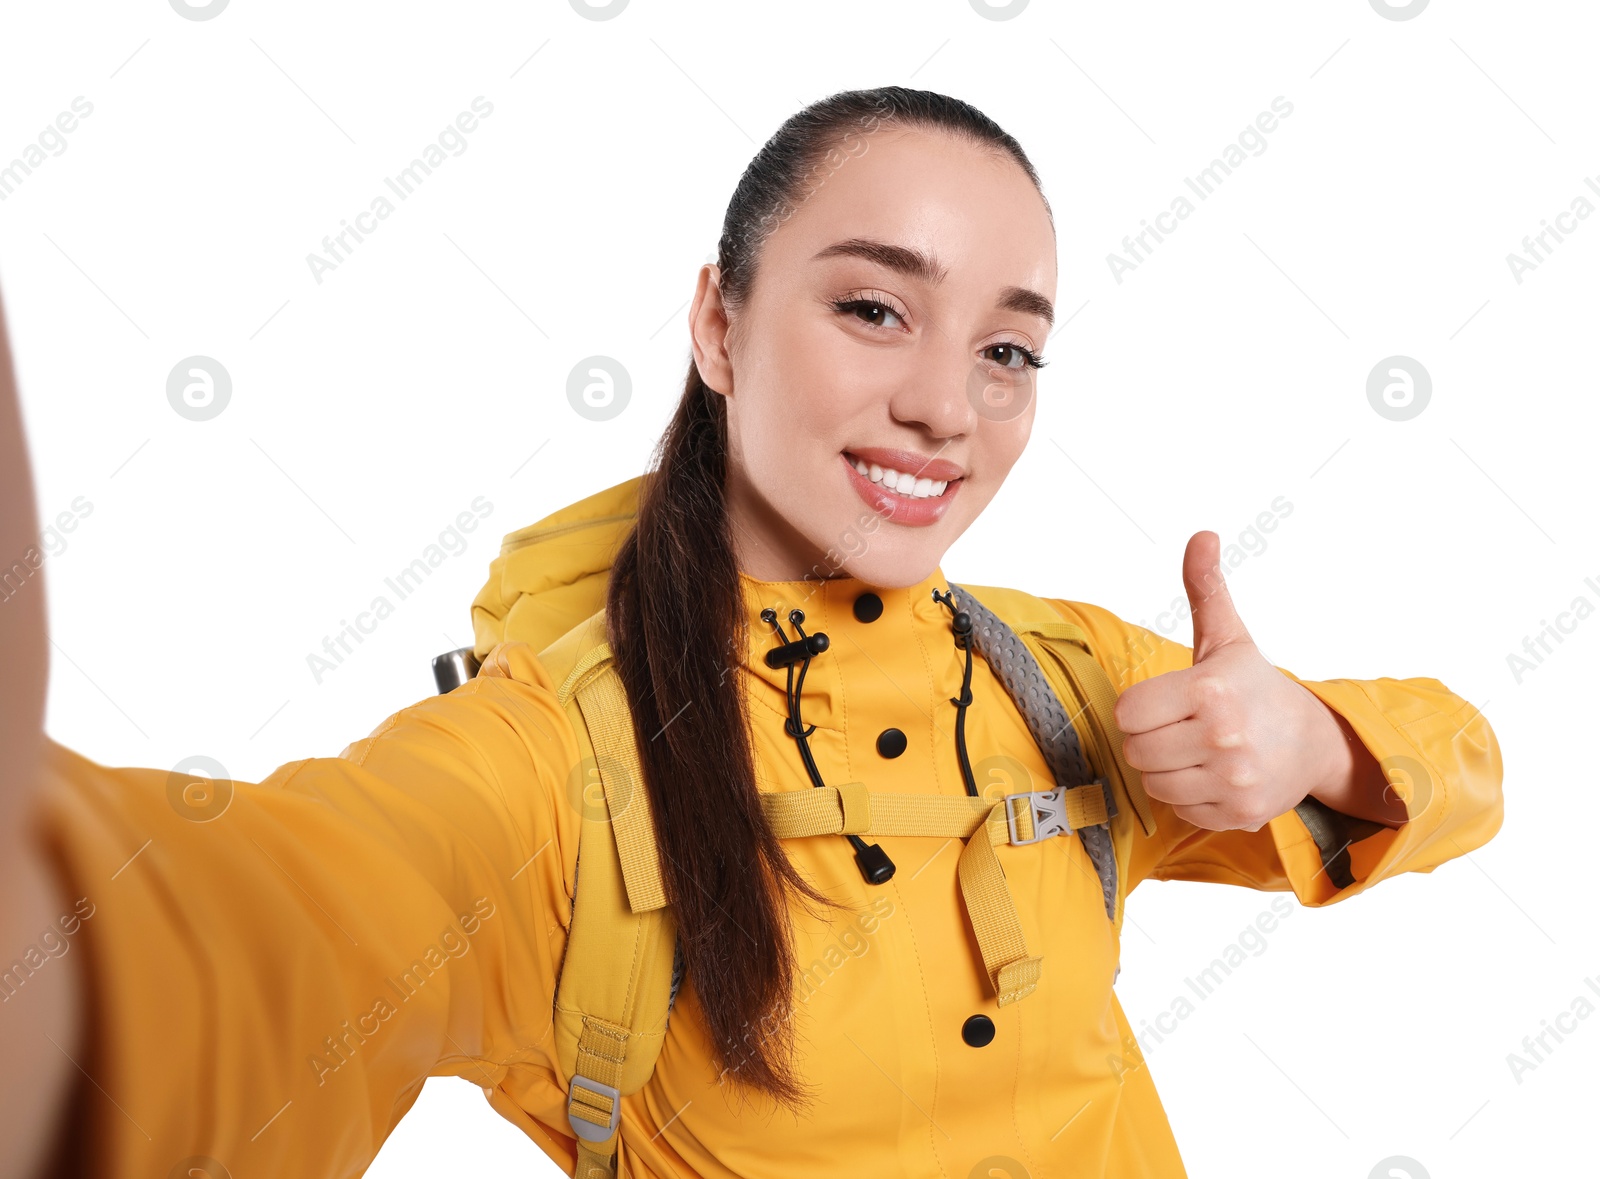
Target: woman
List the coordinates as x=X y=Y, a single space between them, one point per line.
x=883 y=293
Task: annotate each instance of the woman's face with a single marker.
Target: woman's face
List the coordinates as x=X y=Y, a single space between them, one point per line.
x=888 y=328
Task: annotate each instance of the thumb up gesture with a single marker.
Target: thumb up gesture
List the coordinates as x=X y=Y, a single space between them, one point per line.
x=1230 y=742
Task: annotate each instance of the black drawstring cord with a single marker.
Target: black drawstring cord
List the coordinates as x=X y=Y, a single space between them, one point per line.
x=817 y=644
x=961 y=624
x=875 y=864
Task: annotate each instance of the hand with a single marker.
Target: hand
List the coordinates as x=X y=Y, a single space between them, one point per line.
x=34 y=1083
x=1230 y=742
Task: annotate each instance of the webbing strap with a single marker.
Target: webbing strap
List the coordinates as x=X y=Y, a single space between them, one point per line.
x=823 y=810
x=592 y=1163
x=1012 y=971
x=827 y=810
x=1036 y=677
x=991 y=910
x=1102 y=699
x=857 y=804
x=602 y=1048
x=604 y=702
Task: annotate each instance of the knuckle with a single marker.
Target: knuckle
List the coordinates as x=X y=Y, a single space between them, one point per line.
x=1220 y=732
x=1241 y=774
x=1211 y=690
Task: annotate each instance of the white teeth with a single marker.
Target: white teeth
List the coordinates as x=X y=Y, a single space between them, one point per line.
x=901 y=483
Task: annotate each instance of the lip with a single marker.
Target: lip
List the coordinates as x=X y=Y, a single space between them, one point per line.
x=892 y=506
x=921 y=466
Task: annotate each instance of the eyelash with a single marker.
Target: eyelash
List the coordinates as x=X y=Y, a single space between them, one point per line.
x=847 y=306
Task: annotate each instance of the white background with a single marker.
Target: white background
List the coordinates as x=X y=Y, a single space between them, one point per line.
x=1229 y=368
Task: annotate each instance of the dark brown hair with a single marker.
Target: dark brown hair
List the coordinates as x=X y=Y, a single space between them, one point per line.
x=675 y=620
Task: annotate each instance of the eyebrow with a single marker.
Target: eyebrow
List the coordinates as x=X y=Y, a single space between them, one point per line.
x=925 y=269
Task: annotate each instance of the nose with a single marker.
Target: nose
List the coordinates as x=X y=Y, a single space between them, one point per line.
x=935 y=395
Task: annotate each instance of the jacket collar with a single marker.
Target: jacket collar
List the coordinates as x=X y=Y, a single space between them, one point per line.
x=896 y=654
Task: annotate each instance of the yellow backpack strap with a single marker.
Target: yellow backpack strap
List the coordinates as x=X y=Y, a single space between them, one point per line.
x=1088 y=681
x=1022 y=818
x=609 y=723
x=850 y=808
x=1047 y=666
x=615 y=988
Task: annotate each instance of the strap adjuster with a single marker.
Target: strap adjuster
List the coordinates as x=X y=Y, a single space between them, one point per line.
x=581 y=1126
x=1049 y=809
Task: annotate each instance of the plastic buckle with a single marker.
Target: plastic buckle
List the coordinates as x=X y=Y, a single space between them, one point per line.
x=1049 y=814
x=584 y=1128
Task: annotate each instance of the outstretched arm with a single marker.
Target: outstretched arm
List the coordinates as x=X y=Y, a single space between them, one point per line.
x=265 y=974
x=272 y=969
x=39 y=1027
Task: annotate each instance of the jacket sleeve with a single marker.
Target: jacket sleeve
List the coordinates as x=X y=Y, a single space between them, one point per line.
x=1437 y=750
x=274 y=969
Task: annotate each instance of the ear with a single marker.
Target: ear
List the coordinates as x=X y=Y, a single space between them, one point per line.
x=708 y=331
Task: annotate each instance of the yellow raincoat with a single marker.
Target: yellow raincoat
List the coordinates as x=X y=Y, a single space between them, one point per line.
x=276 y=970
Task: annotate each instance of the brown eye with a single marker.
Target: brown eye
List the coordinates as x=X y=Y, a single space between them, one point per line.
x=868 y=311
x=1012 y=356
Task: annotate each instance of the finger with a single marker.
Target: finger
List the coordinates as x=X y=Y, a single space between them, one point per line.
x=1212 y=817
x=1188 y=787
x=1171 y=747
x=1165 y=699
x=1207 y=816
x=1216 y=621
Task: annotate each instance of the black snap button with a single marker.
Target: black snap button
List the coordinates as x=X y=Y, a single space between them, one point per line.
x=978 y=1030
x=891 y=743
x=868 y=607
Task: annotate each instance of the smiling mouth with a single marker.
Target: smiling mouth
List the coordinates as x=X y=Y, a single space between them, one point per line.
x=901 y=483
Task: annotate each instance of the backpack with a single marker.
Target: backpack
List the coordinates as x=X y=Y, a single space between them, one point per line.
x=622 y=966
